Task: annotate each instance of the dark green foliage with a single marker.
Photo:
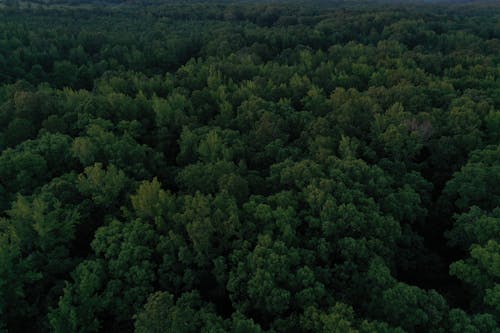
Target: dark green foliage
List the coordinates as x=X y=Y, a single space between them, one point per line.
x=249 y=167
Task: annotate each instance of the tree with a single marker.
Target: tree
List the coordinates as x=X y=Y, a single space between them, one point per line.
x=477 y=182
x=36 y=241
x=104 y=187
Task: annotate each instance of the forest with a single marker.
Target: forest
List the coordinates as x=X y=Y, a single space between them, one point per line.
x=249 y=167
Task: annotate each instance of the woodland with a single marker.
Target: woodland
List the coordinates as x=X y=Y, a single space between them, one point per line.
x=245 y=167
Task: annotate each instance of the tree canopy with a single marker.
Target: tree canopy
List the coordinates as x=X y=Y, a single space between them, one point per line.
x=249 y=167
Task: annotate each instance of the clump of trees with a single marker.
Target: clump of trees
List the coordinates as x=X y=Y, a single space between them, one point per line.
x=250 y=168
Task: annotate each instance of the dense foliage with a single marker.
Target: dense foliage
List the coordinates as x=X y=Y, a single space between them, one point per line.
x=250 y=168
